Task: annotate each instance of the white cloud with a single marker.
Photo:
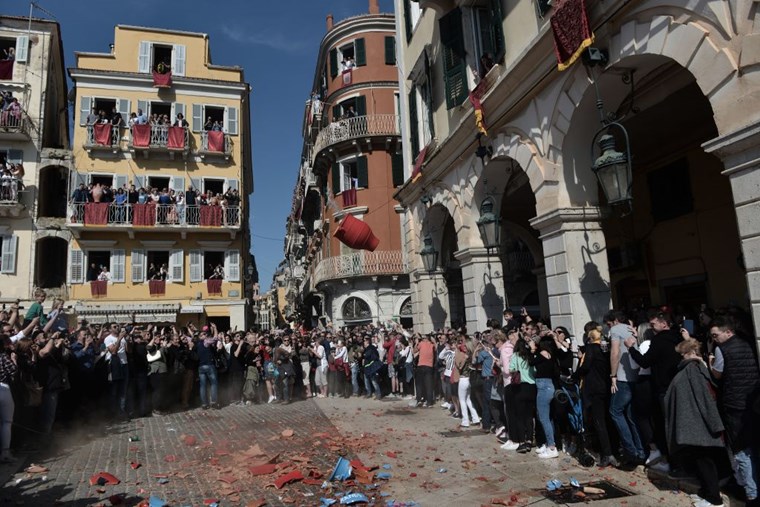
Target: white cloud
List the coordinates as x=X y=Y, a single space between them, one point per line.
x=266 y=38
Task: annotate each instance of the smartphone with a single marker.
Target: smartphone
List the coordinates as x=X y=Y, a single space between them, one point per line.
x=688 y=325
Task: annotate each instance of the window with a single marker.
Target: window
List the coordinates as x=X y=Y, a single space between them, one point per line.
x=161 y=108
x=390 y=51
x=151 y=54
x=18 y=46
x=95 y=105
x=454 y=66
x=347 y=56
x=96 y=261
x=211 y=262
x=356 y=310
x=156 y=261
x=213 y=185
x=350 y=173
x=160 y=183
x=204 y=116
x=343 y=109
x=421 y=106
x=146 y=264
x=668 y=203
x=8 y=247
x=489 y=35
x=412 y=14
x=103 y=179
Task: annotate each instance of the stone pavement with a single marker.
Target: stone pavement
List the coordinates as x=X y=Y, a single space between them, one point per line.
x=203 y=456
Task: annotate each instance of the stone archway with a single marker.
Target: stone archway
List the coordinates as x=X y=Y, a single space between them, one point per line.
x=53 y=191
x=51 y=256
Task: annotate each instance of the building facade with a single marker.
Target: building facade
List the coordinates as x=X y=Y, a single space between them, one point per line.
x=34 y=139
x=201 y=242
x=679 y=78
x=351 y=165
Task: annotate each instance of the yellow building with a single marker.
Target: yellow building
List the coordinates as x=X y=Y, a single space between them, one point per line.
x=166 y=73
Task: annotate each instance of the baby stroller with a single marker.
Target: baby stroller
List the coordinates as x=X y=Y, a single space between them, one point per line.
x=570 y=394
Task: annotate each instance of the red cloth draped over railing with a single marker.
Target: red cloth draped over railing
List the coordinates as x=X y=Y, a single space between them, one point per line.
x=176 y=138
x=144 y=214
x=214 y=286
x=96 y=213
x=347 y=77
x=571 y=31
x=349 y=197
x=215 y=141
x=162 y=80
x=157 y=287
x=141 y=135
x=6 y=69
x=102 y=133
x=98 y=288
x=211 y=216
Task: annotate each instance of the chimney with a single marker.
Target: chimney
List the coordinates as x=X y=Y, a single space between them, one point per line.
x=330 y=22
x=374 y=7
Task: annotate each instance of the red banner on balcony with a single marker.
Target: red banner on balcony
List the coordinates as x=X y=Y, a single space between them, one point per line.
x=349 y=197
x=417 y=171
x=141 y=135
x=98 y=288
x=211 y=216
x=144 y=214
x=176 y=138
x=214 y=286
x=96 y=213
x=356 y=234
x=102 y=133
x=162 y=80
x=6 y=70
x=571 y=31
x=347 y=77
x=215 y=141
x=157 y=287
x=475 y=95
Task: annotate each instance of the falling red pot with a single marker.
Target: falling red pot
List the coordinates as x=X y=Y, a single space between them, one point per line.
x=356 y=234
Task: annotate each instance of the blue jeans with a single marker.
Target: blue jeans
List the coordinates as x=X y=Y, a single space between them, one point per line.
x=622 y=416
x=207 y=373
x=355 y=378
x=544 y=396
x=747 y=469
x=372 y=381
x=49 y=408
x=486 y=419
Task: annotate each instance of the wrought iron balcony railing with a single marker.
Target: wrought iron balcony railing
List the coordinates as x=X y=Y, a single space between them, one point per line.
x=14 y=126
x=358 y=127
x=208 y=148
x=388 y=262
x=159 y=139
x=110 y=143
x=153 y=215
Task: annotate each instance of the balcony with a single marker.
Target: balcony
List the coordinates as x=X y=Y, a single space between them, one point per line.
x=14 y=127
x=102 y=137
x=389 y=262
x=152 y=217
x=10 y=197
x=152 y=139
x=357 y=128
x=214 y=143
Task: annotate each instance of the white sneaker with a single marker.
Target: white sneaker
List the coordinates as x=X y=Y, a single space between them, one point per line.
x=476 y=422
x=540 y=450
x=271 y=399
x=705 y=503
x=509 y=445
x=464 y=424
x=446 y=405
x=654 y=456
x=549 y=454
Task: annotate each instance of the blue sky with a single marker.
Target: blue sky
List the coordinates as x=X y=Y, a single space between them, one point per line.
x=275 y=42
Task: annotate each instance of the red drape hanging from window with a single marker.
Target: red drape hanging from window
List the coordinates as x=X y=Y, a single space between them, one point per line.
x=571 y=31
x=144 y=214
x=157 y=287
x=6 y=69
x=141 y=135
x=215 y=141
x=176 y=138
x=211 y=216
x=214 y=286
x=349 y=197
x=347 y=77
x=99 y=288
x=162 y=80
x=96 y=213
x=102 y=133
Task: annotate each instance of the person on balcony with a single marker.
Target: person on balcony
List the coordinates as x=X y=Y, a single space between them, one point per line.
x=217 y=126
x=9 y=54
x=116 y=119
x=132 y=195
x=163 y=67
x=92 y=118
x=102 y=118
x=218 y=273
x=351 y=113
x=6 y=181
x=181 y=121
x=105 y=275
x=142 y=118
x=120 y=210
x=179 y=206
x=209 y=125
x=132 y=120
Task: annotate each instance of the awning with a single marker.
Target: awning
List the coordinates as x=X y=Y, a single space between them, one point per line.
x=144 y=314
x=191 y=309
x=217 y=311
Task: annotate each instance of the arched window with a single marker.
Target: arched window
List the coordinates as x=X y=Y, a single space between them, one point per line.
x=406 y=308
x=356 y=310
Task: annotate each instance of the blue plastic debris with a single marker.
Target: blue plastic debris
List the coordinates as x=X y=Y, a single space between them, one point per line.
x=353 y=498
x=342 y=470
x=553 y=485
x=154 y=501
x=163 y=480
x=442 y=470
x=574 y=482
x=387 y=466
x=326 y=502
x=383 y=475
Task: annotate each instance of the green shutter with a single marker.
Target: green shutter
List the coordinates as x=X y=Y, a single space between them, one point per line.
x=397 y=169
x=361 y=105
x=390 y=51
x=497 y=30
x=408 y=19
x=413 y=127
x=454 y=67
x=333 y=62
x=361 y=172
x=429 y=97
x=361 y=52
x=336 y=178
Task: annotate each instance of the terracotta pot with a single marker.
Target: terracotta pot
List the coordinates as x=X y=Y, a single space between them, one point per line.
x=356 y=234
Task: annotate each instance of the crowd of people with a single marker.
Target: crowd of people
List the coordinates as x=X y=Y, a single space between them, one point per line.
x=670 y=393
x=11 y=179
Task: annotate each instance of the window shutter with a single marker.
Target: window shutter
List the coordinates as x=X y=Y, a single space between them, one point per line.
x=177 y=266
x=231 y=120
x=397 y=169
x=333 y=62
x=178 y=108
x=408 y=19
x=143 y=58
x=122 y=105
x=390 y=51
x=22 y=48
x=138 y=266
x=230 y=184
x=360 y=52
x=197 y=184
x=335 y=178
x=362 y=176
x=76 y=266
x=177 y=183
x=429 y=98
x=8 y=261
x=85 y=106
x=361 y=105
x=139 y=181
x=414 y=134
x=178 y=60
x=496 y=30
x=454 y=67
x=118 y=266
x=197 y=124
x=232 y=265
x=121 y=181
x=196 y=266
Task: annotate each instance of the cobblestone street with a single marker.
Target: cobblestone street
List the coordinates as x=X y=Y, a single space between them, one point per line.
x=204 y=456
